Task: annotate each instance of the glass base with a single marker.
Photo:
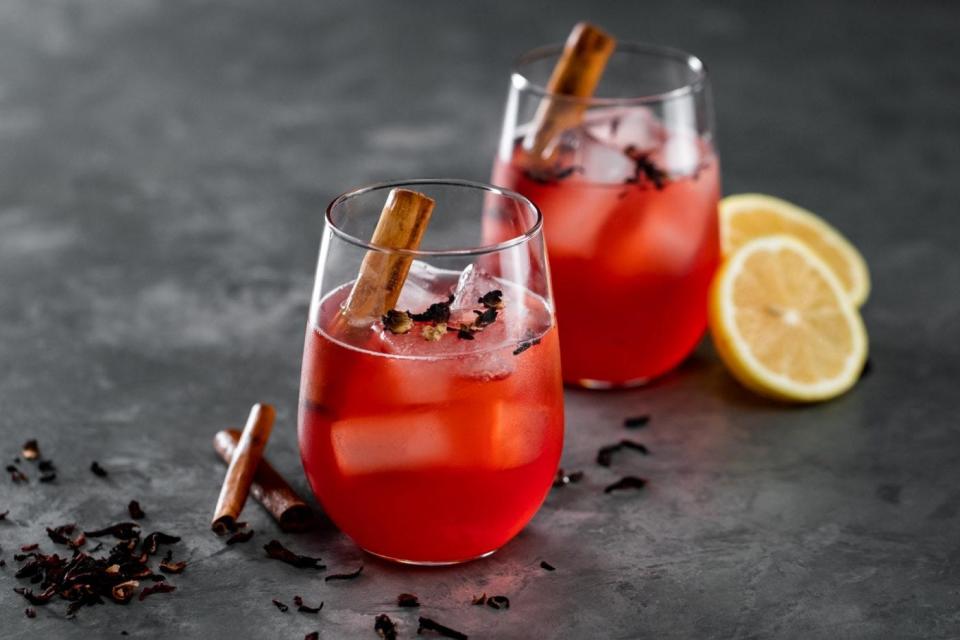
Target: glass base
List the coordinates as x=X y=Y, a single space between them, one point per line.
x=586 y=383
x=426 y=563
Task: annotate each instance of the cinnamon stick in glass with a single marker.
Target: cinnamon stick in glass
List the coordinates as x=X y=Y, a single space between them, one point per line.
x=243 y=465
x=269 y=488
x=577 y=75
x=402 y=223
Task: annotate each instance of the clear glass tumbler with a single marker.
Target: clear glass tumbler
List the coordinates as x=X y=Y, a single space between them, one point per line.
x=629 y=198
x=438 y=444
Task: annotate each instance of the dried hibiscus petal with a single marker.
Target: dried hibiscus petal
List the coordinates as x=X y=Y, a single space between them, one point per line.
x=121 y=530
x=155 y=539
x=407 y=600
x=498 y=602
x=160 y=587
x=240 y=536
x=279 y=605
x=98 y=470
x=277 y=551
x=123 y=592
x=304 y=608
x=426 y=624
x=344 y=576
x=385 y=627
x=627 y=482
x=136 y=512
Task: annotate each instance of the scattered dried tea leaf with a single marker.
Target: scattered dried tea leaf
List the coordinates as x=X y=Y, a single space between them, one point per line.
x=407 y=600
x=498 y=602
x=279 y=605
x=438 y=312
x=384 y=627
x=16 y=475
x=426 y=624
x=98 y=470
x=492 y=299
x=155 y=539
x=124 y=591
x=160 y=587
x=344 y=576
x=64 y=535
x=605 y=454
x=636 y=422
x=433 y=332
x=121 y=530
x=240 y=536
x=546 y=565
x=303 y=608
x=277 y=551
x=168 y=566
x=135 y=511
x=31 y=450
x=626 y=482
x=30 y=612
x=397 y=322
x=562 y=479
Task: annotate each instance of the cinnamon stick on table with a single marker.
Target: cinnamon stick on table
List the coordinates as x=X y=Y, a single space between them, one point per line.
x=269 y=488
x=577 y=74
x=402 y=223
x=243 y=465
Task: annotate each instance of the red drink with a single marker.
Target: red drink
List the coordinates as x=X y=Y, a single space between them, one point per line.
x=632 y=256
x=432 y=452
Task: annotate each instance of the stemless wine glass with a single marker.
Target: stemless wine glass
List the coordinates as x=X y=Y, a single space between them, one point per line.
x=629 y=198
x=438 y=443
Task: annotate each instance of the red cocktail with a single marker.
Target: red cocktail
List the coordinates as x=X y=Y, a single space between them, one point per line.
x=629 y=198
x=438 y=443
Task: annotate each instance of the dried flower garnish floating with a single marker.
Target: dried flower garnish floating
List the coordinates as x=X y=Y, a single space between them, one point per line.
x=279 y=605
x=547 y=566
x=398 y=322
x=626 y=482
x=645 y=170
x=605 y=454
x=492 y=299
x=303 y=608
x=563 y=479
x=240 y=536
x=436 y=312
x=98 y=470
x=433 y=332
x=426 y=624
x=277 y=551
x=498 y=602
x=31 y=450
x=344 y=576
x=636 y=422
x=384 y=627
x=135 y=511
x=407 y=600
x=528 y=341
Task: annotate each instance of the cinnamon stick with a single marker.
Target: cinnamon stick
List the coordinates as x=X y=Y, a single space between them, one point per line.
x=402 y=223
x=246 y=457
x=576 y=74
x=269 y=488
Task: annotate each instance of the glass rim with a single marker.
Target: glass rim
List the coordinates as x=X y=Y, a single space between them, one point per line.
x=523 y=83
x=527 y=235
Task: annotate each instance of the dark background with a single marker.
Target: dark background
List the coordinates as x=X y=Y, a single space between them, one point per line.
x=164 y=166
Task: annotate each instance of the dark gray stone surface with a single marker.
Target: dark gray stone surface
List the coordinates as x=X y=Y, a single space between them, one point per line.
x=163 y=170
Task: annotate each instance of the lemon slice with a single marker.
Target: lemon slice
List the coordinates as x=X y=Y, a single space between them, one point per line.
x=746 y=216
x=783 y=324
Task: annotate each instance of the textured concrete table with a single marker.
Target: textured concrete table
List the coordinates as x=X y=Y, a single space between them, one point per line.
x=163 y=170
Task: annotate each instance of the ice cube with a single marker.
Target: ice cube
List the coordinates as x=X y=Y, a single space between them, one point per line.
x=425 y=284
x=621 y=128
